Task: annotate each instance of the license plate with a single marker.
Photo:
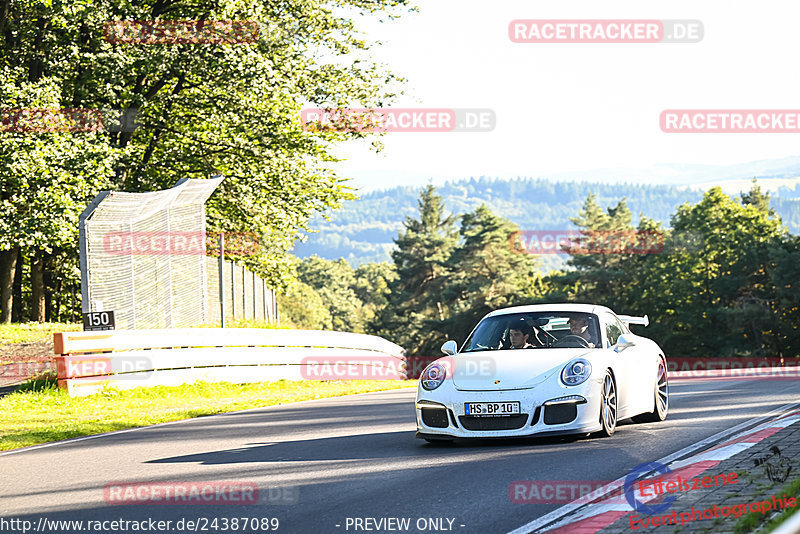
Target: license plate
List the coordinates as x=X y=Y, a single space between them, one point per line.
x=491 y=409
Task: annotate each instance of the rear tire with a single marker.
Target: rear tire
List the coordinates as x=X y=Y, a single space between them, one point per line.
x=608 y=406
x=660 y=398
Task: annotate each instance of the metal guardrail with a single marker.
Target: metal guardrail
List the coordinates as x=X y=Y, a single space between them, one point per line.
x=89 y=362
x=790 y=526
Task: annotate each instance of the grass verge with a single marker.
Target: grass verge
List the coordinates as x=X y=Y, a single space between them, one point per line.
x=31 y=332
x=754 y=520
x=39 y=412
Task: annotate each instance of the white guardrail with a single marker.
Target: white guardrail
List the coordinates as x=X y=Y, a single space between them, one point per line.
x=790 y=526
x=88 y=362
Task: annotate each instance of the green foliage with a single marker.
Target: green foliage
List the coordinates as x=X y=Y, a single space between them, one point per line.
x=721 y=281
x=421 y=260
x=202 y=109
x=333 y=282
x=486 y=271
x=722 y=285
x=784 y=257
x=373 y=287
x=363 y=231
x=304 y=308
x=33 y=332
x=45 y=177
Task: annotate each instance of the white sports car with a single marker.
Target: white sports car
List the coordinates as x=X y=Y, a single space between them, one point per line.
x=543 y=369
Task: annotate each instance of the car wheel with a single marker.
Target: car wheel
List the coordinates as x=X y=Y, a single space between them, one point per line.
x=608 y=406
x=660 y=400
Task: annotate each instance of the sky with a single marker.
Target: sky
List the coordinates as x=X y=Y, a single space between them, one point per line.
x=565 y=108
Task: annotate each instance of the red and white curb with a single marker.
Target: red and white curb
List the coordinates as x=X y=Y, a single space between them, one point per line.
x=592 y=513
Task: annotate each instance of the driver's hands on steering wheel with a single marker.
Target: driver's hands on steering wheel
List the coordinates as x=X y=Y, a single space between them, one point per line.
x=576 y=339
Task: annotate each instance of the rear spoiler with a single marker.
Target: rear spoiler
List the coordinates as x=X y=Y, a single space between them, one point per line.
x=630 y=319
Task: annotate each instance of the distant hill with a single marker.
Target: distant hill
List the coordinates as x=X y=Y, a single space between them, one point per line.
x=363 y=230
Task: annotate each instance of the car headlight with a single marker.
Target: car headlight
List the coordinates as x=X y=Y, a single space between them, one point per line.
x=576 y=372
x=433 y=376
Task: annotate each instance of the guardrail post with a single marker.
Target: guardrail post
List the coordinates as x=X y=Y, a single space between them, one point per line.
x=244 y=293
x=222 y=279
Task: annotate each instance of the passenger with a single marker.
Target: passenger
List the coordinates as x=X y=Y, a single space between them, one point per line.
x=579 y=326
x=520 y=334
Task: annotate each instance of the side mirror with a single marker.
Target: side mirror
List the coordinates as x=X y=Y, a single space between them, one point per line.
x=623 y=342
x=450 y=348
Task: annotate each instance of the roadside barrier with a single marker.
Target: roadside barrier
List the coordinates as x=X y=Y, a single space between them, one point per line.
x=88 y=362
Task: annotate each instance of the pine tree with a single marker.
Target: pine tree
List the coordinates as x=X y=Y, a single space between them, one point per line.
x=488 y=270
x=598 y=257
x=424 y=247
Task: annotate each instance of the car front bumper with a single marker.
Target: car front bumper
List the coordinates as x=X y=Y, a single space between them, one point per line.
x=544 y=410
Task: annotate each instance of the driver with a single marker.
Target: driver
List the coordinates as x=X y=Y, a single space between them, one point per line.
x=519 y=334
x=579 y=326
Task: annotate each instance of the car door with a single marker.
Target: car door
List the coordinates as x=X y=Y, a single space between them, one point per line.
x=638 y=362
x=629 y=367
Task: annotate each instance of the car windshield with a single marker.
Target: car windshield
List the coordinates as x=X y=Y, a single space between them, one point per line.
x=535 y=330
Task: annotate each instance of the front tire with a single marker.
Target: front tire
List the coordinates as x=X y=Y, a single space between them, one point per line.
x=608 y=406
x=660 y=400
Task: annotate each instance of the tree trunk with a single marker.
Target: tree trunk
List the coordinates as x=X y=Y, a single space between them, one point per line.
x=37 y=286
x=16 y=291
x=57 y=304
x=48 y=290
x=8 y=269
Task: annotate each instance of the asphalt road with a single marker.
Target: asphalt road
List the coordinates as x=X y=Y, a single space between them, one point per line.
x=355 y=457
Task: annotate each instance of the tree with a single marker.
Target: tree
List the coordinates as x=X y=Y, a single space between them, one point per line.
x=334 y=281
x=784 y=257
x=45 y=178
x=756 y=198
x=601 y=254
x=730 y=289
x=421 y=259
x=201 y=109
x=487 y=271
x=302 y=307
x=372 y=287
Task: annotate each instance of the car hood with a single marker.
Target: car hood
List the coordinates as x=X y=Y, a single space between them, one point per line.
x=510 y=369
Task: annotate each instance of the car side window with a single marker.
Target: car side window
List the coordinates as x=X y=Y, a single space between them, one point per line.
x=622 y=326
x=613 y=330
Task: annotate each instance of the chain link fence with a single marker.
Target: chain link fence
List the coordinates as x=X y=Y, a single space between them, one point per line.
x=246 y=296
x=144 y=257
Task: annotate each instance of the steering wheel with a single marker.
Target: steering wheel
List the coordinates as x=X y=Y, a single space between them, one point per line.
x=549 y=338
x=571 y=337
